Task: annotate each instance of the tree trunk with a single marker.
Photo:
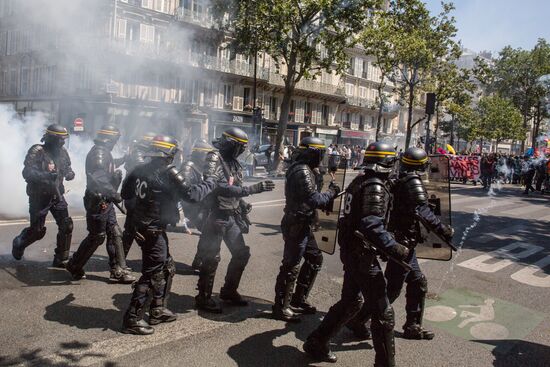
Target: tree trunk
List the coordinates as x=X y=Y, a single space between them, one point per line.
x=409 y=117
x=283 y=122
x=380 y=110
x=436 y=127
x=452 y=140
x=525 y=127
x=536 y=127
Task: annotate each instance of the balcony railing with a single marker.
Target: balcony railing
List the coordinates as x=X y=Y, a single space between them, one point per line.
x=309 y=85
x=201 y=19
x=392 y=108
x=361 y=102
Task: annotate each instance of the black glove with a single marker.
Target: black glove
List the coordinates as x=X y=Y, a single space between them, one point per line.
x=334 y=188
x=114 y=198
x=117 y=177
x=447 y=232
x=51 y=175
x=399 y=251
x=69 y=176
x=246 y=207
x=267 y=185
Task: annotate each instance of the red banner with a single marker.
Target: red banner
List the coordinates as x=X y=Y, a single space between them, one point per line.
x=464 y=167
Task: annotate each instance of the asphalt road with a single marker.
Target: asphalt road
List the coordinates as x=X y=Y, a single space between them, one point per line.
x=489 y=306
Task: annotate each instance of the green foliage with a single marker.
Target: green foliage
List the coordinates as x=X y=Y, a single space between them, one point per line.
x=302 y=37
x=498 y=120
x=418 y=43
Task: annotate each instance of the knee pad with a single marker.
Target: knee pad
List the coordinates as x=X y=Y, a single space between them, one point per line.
x=98 y=238
x=66 y=226
x=170 y=268
x=387 y=318
x=158 y=279
x=316 y=261
x=418 y=287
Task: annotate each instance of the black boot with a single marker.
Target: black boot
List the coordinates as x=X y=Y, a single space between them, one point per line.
x=76 y=273
x=306 y=278
x=196 y=264
x=283 y=293
x=17 y=250
x=204 y=301
x=121 y=276
x=161 y=314
x=63 y=247
x=358 y=324
x=318 y=349
x=417 y=332
x=134 y=324
x=233 y=297
x=383 y=338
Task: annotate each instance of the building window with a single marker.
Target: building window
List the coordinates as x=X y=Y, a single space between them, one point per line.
x=246 y=97
x=273 y=105
x=146 y=33
x=351 y=65
x=365 y=72
x=361 y=122
x=147 y=4
x=227 y=95
x=292 y=111
x=121 y=29
x=350 y=89
x=324 y=114
x=307 y=116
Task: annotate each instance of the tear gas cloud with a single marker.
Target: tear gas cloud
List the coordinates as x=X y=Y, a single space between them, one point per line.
x=18 y=135
x=77 y=37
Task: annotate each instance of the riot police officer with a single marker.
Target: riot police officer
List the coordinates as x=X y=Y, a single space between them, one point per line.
x=102 y=182
x=226 y=221
x=136 y=157
x=46 y=166
x=366 y=206
x=157 y=186
x=302 y=200
x=192 y=170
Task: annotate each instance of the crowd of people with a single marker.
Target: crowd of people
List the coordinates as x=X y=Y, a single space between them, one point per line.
x=525 y=171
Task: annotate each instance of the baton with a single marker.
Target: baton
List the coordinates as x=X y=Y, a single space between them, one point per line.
x=122 y=210
x=383 y=252
x=427 y=226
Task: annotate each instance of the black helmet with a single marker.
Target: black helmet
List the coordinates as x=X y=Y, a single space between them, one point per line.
x=55 y=135
x=200 y=150
x=108 y=135
x=163 y=146
x=379 y=157
x=414 y=159
x=145 y=140
x=232 y=143
x=311 y=151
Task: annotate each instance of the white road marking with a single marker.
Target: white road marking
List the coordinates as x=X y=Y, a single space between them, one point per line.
x=267 y=201
x=18 y=222
x=527 y=274
x=479 y=263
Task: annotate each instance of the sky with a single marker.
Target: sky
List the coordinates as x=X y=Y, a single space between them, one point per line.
x=492 y=24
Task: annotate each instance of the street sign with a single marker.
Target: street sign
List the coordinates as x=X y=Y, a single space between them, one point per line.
x=78 y=124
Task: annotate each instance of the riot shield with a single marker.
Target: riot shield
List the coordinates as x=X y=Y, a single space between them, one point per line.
x=327 y=228
x=437 y=183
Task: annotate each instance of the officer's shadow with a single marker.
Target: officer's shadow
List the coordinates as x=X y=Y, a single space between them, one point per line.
x=246 y=352
x=32 y=273
x=67 y=311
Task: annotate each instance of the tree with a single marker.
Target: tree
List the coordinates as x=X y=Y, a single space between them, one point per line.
x=418 y=41
x=302 y=38
x=499 y=120
x=515 y=75
x=452 y=86
x=375 y=39
x=464 y=119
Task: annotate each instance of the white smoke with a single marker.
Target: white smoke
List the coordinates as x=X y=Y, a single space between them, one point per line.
x=18 y=135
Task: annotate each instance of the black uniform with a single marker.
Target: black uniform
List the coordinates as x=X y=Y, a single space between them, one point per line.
x=302 y=200
x=196 y=213
x=135 y=158
x=226 y=221
x=102 y=182
x=46 y=166
x=156 y=187
x=366 y=208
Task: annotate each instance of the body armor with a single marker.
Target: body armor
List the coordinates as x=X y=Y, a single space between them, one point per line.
x=226 y=171
x=100 y=172
x=37 y=173
x=300 y=185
